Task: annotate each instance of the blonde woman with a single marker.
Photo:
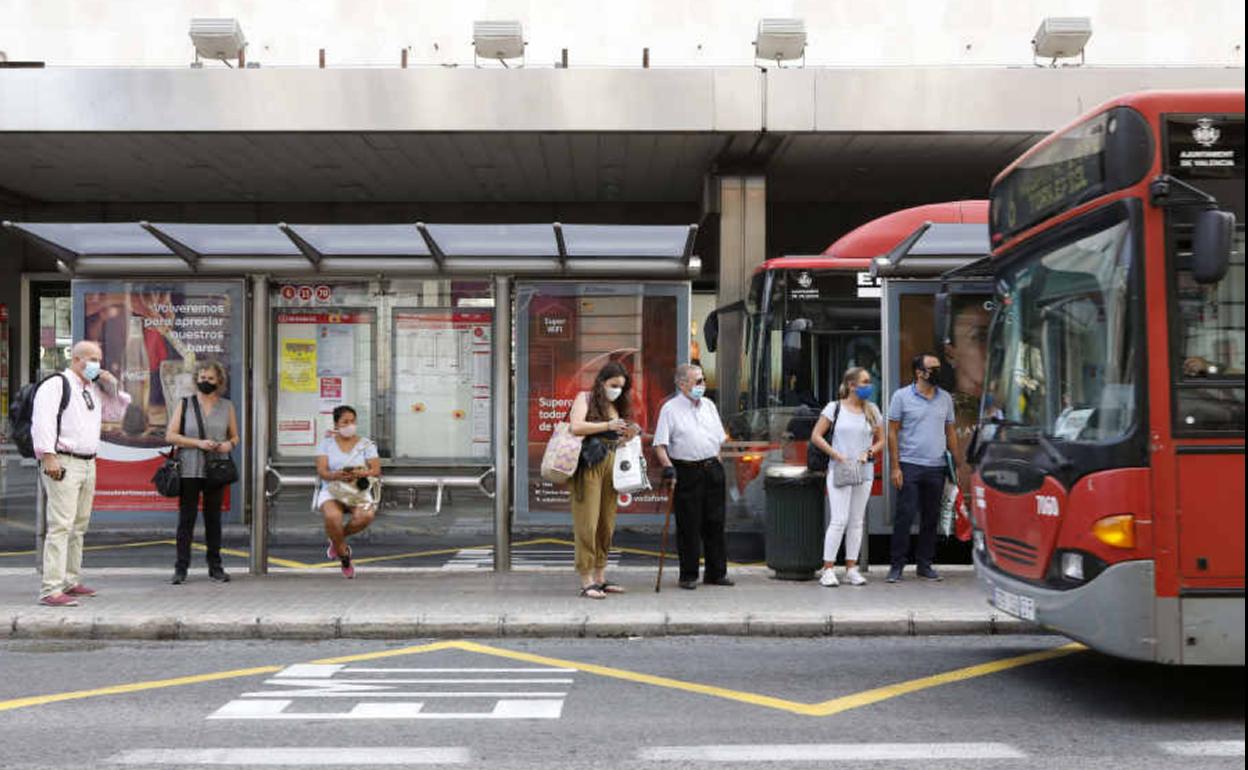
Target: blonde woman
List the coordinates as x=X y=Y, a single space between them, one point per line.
x=850 y=431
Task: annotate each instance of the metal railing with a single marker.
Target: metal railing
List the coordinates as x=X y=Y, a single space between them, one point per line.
x=276 y=481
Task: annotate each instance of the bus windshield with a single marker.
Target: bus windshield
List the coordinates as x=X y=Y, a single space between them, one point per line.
x=1062 y=352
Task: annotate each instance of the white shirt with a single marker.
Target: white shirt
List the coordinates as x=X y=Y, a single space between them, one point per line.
x=690 y=429
x=80 y=426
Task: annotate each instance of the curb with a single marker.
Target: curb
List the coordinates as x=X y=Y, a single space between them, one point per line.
x=515 y=626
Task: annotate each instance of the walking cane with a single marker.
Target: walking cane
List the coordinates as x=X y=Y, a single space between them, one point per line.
x=667 y=520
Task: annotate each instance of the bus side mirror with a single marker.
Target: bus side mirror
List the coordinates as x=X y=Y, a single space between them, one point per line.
x=710 y=331
x=1211 y=245
x=940 y=318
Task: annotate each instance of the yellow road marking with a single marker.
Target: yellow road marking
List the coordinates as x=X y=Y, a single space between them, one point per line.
x=418 y=554
x=200 y=546
x=821 y=709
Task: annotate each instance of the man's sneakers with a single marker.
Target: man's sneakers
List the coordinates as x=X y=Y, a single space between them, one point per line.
x=927 y=573
x=828 y=578
x=58 y=599
x=894 y=575
x=218 y=575
x=689 y=585
x=721 y=581
x=80 y=590
x=179 y=577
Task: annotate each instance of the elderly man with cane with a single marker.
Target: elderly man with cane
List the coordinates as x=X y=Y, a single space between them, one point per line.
x=687 y=440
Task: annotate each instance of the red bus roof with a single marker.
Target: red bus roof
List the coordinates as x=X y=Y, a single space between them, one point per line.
x=856 y=249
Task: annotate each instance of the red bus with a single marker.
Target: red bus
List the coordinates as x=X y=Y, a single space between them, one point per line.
x=781 y=352
x=1108 y=492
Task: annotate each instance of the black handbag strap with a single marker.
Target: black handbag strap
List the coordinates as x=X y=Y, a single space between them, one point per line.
x=836 y=415
x=199 y=417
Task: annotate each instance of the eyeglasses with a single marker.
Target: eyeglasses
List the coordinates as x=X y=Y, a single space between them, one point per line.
x=86 y=396
x=700 y=381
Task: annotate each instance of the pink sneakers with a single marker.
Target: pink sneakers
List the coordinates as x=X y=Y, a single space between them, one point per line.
x=80 y=590
x=348 y=570
x=58 y=600
x=331 y=553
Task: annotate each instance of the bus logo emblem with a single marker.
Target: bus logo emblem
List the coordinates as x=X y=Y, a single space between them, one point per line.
x=1205 y=133
x=804 y=280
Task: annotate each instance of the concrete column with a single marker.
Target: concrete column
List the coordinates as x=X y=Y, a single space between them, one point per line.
x=258 y=440
x=742 y=205
x=501 y=399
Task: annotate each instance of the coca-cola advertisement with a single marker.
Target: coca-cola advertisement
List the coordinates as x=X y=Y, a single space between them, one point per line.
x=565 y=334
x=152 y=335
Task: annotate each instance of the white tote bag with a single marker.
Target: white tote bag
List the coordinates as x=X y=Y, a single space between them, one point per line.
x=629 y=473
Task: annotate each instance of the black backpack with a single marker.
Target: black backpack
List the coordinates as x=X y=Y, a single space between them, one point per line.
x=23 y=414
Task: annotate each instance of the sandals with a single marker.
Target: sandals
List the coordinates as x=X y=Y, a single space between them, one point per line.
x=593 y=591
x=608 y=587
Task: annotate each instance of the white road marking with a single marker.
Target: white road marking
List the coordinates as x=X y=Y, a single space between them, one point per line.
x=504 y=708
x=483 y=558
x=302 y=757
x=831 y=752
x=310 y=671
x=1203 y=748
x=355 y=670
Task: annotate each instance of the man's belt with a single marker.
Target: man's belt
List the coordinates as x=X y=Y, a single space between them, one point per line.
x=75 y=455
x=709 y=462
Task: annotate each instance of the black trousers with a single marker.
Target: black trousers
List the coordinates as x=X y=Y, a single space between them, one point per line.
x=921 y=490
x=700 y=519
x=188 y=508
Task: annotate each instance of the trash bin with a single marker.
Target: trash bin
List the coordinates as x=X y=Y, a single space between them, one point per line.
x=795 y=506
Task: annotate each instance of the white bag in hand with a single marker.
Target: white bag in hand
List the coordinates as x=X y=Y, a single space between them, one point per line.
x=629 y=473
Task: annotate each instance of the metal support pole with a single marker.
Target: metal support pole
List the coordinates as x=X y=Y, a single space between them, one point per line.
x=258 y=561
x=501 y=395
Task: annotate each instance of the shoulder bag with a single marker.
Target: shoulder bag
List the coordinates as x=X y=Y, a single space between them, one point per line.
x=219 y=469
x=628 y=475
x=168 y=478
x=363 y=493
x=562 y=455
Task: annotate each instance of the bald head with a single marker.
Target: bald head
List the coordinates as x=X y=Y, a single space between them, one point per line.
x=85 y=352
x=85 y=349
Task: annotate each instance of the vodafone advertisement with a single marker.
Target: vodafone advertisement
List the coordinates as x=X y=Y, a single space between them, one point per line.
x=152 y=335
x=565 y=333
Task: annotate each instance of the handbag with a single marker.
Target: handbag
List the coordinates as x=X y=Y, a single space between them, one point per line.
x=219 y=470
x=628 y=475
x=816 y=460
x=847 y=474
x=355 y=497
x=563 y=453
x=168 y=477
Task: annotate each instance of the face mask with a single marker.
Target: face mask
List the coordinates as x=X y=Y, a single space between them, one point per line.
x=206 y=387
x=864 y=392
x=613 y=393
x=347 y=431
x=933 y=374
x=697 y=392
x=92 y=372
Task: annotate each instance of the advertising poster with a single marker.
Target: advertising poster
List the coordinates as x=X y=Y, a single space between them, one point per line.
x=152 y=335
x=324 y=360
x=565 y=334
x=442 y=384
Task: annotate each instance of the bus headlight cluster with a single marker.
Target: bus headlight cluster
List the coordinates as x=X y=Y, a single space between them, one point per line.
x=1072 y=565
x=980 y=544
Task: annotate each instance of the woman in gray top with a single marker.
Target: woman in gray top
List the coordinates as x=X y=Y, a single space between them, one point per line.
x=220 y=437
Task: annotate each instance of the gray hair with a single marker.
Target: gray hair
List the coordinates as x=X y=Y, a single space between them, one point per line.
x=84 y=348
x=684 y=370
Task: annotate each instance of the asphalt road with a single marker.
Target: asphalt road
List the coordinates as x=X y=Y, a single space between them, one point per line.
x=661 y=703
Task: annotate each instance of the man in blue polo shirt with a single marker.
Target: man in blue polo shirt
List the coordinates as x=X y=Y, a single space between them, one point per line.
x=920 y=429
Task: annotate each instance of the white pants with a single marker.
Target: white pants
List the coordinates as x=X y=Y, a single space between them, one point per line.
x=847 y=513
x=68 y=514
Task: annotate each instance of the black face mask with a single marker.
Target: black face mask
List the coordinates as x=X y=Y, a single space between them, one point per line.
x=933 y=374
x=206 y=387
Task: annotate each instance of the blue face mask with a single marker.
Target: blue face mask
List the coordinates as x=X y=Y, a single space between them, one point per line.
x=92 y=372
x=865 y=392
x=697 y=392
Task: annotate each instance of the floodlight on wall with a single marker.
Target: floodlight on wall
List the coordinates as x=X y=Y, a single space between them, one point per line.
x=780 y=40
x=220 y=39
x=1061 y=37
x=501 y=40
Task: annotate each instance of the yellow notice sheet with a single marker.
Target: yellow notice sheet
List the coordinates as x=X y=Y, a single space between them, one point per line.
x=298 y=366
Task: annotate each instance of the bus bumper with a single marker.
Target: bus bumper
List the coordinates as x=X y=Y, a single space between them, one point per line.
x=1113 y=613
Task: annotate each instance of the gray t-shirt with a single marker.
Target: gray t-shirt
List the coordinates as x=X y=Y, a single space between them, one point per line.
x=921 y=439
x=216 y=428
x=853 y=434
x=359 y=455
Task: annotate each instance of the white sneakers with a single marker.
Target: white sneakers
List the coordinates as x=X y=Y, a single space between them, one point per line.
x=828 y=578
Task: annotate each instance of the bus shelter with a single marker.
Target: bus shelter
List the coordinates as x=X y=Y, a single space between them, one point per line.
x=459 y=345
x=938 y=264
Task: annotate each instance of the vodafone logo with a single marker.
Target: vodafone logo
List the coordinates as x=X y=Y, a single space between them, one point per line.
x=624 y=500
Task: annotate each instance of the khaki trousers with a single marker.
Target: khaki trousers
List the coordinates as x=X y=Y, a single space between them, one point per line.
x=593 y=514
x=69 y=513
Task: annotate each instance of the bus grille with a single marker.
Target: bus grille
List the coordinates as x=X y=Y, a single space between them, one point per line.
x=1015 y=550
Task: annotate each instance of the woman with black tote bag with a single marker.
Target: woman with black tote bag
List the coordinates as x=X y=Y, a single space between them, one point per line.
x=205 y=429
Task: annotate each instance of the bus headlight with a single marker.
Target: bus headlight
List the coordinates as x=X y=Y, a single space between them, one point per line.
x=978 y=538
x=1117 y=531
x=1072 y=565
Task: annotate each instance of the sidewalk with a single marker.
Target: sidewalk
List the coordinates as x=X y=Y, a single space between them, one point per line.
x=402 y=604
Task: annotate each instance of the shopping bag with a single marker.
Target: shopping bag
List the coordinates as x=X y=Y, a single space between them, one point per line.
x=629 y=472
x=948 y=509
x=563 y=452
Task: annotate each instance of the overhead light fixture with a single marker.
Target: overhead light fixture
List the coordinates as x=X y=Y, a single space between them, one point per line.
x=501 y=40
x=780 y=40
x=220 y=39
x=1061 y=37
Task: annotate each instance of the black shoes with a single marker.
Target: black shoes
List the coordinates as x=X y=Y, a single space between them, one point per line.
x=894 y=575
x=179 y=577
x=218 y=575
x=722 y=581
x=689 y=585
x=927 y=573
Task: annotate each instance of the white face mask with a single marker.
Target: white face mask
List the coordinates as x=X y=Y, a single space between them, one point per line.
x=613 y=393
x=346 y=431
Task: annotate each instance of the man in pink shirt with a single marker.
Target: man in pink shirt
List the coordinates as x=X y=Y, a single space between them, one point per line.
x=66 y=444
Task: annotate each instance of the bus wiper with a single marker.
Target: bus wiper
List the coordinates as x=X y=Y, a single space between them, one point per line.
x=1054 y=452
